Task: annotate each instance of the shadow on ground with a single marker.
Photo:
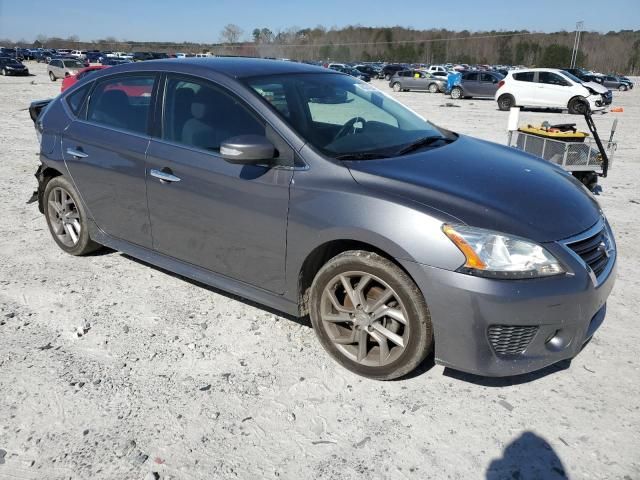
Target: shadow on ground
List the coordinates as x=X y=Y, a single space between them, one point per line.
x=527 y=457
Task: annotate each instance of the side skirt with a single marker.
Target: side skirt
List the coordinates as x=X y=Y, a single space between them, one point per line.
x=199 y=274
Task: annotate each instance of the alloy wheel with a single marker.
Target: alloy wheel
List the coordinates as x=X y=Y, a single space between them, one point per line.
x=364 y=318
x=64 y=216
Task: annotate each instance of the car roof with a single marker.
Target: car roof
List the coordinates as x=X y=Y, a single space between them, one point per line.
x=235 y=67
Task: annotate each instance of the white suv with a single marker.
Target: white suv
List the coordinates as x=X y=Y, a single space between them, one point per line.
x=550 y=88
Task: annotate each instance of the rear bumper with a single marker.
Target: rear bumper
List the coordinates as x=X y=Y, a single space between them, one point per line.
x=548 y=319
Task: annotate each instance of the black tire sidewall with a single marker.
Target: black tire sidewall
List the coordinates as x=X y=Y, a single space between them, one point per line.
x=505 y=98
x=419 y=321
x=85 y=244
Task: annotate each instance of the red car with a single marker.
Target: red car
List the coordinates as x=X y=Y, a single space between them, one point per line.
x=71 y=79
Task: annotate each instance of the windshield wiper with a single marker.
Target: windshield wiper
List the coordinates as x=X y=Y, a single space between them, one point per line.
x=361 y=156
x=422 y=142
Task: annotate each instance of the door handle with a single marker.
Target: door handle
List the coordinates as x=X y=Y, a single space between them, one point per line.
x=76 y=153
x=164 y=177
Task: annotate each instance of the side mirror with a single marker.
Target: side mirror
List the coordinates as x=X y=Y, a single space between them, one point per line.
x=248 y=150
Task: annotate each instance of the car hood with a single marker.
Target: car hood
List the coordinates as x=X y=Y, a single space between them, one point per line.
x=596 y=86
x=487 y=185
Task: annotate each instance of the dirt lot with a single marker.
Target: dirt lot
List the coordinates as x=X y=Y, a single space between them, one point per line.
x=112 y=369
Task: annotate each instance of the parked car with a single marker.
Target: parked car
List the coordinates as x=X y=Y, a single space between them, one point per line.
x=397 y=236
x=614 y=83
x=157 y=55
x=11 y=66
x=142 y=56
x=550 y=88
x=629 y=83
x=437 y=68
x=584 y=75
x=354 y=72
x=63 y=67
x=372 y=71
x=70 y=80
x=94 y=56
x=79 y=54
x=477 y=84
x=406 y=80
x=114 y=61
x=389 y=70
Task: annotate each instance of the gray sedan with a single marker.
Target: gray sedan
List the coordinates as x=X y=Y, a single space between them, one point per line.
x=313 y=193
x=407 y=80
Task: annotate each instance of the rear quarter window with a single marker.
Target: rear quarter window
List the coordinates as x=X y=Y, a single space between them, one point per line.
x=76 y=99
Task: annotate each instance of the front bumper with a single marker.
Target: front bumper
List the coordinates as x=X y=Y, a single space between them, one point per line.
x=554 y=317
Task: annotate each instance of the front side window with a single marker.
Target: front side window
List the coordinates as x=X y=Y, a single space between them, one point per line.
x=342 y=116
x=122 y=102
x=551 y=78
x=201 y=115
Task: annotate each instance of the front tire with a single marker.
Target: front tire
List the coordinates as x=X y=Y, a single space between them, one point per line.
x=397 y=87
x=370 y=316
x=622 y=88
x=4 y=72
x=505 y=102
x=456 y=93
x=52 y=77
x=578 y=106
x=66 y=217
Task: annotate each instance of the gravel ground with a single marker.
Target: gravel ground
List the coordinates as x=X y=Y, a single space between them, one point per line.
x=112 y=369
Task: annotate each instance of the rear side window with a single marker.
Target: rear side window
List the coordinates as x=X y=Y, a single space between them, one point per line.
x=487 y=77
x=524 y=76
x=471 y=77
x=198 y=114
x=122 y=102
x=76 y=99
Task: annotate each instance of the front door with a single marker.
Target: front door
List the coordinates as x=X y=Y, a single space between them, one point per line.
x=104 y=150
x=230 y=219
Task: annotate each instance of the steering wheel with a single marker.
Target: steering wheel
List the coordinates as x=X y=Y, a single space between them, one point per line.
x=348 y=127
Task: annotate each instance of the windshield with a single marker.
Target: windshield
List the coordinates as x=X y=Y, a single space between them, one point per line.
x=73 y=64
x=572 y=76
x=341 y=115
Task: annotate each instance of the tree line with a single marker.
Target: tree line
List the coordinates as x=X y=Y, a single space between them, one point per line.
x=605 y=52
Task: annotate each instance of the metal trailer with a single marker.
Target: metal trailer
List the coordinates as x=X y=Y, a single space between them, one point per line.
x=586 y=160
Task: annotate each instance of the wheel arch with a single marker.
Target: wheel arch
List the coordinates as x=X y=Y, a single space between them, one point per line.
x=44 y=176
x=324 y=252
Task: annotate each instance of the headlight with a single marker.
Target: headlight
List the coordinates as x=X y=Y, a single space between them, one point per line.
x=496 y=255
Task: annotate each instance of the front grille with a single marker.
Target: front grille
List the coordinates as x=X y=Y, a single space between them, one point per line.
x=510 y=339
x=594 y=251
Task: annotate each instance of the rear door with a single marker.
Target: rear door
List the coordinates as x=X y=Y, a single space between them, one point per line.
x=525 y=89
x=470 y=84
x=104 y=150
x=230 y=219
x=488 y=85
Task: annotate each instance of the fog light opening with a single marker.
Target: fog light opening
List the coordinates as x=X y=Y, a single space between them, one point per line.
x=555 y=341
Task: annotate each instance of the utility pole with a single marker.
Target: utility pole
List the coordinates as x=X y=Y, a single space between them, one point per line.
x=576 y=43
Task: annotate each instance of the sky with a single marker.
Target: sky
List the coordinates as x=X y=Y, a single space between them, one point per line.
x=202 y=20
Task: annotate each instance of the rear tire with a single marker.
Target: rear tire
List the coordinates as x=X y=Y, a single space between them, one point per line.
x=456 y=93
x=385 y=345
x=433 y=88
x=397 y=87
x=506 y=101
x=52 y=77
x=4 y=72
x=66 y=217
x=578 y=106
